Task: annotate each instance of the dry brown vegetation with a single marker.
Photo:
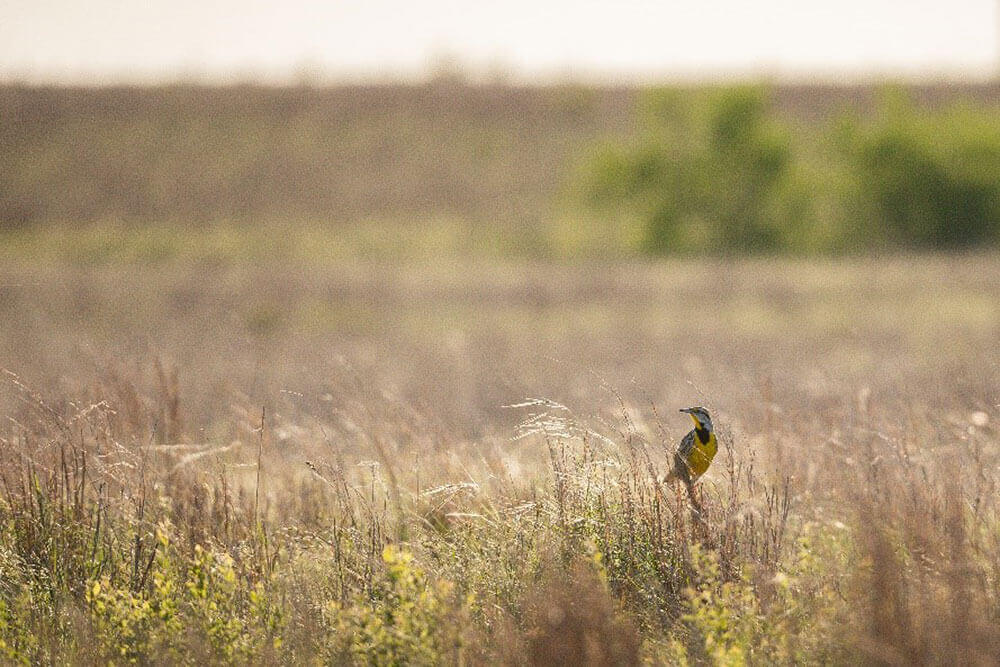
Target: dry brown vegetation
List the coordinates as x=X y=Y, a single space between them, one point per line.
x=303 y=460
x=493 y=154
x=408 y=439
x=197 y=154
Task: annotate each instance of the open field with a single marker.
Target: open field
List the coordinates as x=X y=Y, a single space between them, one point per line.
x=252 y=450
x=357 y=375
x=496 y=154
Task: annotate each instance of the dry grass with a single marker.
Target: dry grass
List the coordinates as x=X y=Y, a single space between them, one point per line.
x=389 y=509
x=385 y=444
x=199 y=154
x=494 y=154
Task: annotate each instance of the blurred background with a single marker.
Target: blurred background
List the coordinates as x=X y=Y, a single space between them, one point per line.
x=460 y=204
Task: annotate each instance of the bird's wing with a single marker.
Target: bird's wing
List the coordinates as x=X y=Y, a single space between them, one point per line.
x=682 y=469
x=687 y=444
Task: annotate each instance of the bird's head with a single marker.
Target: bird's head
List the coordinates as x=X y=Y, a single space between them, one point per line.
x=701 y=418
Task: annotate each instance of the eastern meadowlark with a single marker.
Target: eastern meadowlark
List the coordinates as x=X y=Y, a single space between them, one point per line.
x=697 y=449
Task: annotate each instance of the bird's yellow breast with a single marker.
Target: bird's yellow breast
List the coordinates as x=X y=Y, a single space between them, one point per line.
x=701 y=455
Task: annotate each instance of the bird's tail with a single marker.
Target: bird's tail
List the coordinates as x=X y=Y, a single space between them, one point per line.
x=669 y=478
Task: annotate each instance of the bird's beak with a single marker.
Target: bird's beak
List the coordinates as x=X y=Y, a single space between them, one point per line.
x=690 y=412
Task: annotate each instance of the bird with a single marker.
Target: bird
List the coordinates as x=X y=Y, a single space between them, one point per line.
x=696 y=451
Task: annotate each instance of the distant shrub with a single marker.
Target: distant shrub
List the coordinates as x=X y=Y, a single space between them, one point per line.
x=929 y=180
x=711 y=176
x=722 y=174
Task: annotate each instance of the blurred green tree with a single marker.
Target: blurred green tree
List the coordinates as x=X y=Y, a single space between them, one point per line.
x=715 y=176
x=720 y=173
x=931 y=180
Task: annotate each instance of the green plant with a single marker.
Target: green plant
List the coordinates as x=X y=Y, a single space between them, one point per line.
x=930 y=179
x=711 y=177
x=400 y=623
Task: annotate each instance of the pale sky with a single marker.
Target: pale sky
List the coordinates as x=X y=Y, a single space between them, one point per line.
x=149 y=40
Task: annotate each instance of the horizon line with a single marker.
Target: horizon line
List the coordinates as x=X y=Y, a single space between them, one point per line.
x=321 y=77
